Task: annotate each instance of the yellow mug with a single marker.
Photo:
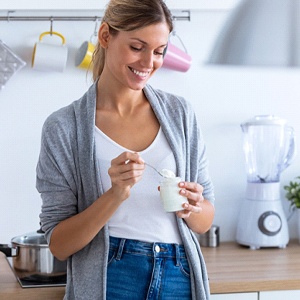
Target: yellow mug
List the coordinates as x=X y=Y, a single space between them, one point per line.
x=84 y=55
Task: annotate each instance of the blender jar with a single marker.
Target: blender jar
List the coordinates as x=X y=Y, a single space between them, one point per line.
x=269 y=148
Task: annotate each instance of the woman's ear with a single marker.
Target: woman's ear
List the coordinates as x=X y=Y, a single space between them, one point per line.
x=103 y=35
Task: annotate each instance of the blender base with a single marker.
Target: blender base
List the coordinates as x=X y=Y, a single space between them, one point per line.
x=262 y=222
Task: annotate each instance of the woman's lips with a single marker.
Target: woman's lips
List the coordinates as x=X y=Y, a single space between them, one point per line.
x=139 y=73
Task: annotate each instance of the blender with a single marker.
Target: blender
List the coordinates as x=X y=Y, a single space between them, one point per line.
x=269 y=149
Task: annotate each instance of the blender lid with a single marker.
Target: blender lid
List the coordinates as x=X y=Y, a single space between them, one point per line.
x=265 y=120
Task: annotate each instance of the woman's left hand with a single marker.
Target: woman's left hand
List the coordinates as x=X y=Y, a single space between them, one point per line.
x=193 y=192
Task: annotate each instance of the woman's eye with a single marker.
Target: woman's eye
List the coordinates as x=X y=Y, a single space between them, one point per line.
x=135 y=48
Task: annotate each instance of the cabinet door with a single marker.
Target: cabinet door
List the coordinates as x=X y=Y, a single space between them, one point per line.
x=279 y=295
x=235 y=296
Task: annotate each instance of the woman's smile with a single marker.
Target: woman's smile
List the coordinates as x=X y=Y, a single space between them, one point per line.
x=142 y=74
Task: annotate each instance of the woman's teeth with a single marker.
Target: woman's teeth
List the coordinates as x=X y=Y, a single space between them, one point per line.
x=142 y=74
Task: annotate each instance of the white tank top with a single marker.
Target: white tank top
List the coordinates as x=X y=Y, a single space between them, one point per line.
x=141 y=216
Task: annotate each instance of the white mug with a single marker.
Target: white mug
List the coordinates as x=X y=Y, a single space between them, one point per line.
x=50 y=57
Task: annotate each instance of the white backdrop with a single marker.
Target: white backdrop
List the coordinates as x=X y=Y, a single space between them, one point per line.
x=222 y=98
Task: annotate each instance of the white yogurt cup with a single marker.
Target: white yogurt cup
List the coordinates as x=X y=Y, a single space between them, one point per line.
x=169 y=194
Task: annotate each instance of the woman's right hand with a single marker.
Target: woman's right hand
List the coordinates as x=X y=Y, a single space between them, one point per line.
x=74 y=233
x=125 y=171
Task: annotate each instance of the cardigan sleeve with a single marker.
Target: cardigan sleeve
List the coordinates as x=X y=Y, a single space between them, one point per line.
x=56 y=179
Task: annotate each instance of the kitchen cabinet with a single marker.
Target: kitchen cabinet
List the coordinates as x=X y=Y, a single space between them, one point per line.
x=268 y=295
x=279 y=295
x=100 y=4
x=235 y=296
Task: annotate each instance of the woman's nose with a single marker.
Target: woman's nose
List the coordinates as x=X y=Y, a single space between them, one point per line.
x=147 y=60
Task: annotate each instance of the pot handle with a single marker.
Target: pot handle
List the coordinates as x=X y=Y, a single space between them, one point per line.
x=40 y=231
x=8 y=250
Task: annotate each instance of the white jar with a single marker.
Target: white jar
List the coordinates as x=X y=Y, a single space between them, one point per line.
x=169 y=194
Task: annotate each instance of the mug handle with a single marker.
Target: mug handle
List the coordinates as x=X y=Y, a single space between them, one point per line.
x=55 y=33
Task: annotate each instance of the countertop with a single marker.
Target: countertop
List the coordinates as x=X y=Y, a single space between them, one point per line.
x=10 y=288
x=231 y=269
x=236 y=269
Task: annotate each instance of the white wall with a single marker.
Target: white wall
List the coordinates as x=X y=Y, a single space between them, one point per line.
x=222 y=98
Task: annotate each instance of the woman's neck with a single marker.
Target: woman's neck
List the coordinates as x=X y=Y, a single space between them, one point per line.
x=118 y=98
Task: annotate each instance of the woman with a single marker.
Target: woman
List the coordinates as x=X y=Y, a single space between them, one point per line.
x=101 y=209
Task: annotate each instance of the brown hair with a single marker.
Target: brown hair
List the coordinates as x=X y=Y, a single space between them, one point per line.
x=128 y=15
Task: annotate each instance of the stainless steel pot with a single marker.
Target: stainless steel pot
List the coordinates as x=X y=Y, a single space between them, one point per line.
x=32 y=259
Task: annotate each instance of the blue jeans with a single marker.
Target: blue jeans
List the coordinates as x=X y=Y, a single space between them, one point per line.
x=147 y=271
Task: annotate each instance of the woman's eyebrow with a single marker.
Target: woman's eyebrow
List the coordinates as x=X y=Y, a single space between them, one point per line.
x=145 y=43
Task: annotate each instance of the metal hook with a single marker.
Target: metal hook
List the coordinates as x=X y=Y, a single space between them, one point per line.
x=181 y=43
x=8 y=14
x=95 y=34
x=96 y=26
x=51 y=25
x=180 y=40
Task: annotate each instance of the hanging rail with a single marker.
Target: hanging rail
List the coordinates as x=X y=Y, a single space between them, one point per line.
x=10 y=18
x=50 y=18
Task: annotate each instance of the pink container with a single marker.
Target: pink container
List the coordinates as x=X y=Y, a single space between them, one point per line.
x=176 y=59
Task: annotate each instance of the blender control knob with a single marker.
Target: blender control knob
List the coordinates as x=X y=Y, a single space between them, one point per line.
x=269 y=223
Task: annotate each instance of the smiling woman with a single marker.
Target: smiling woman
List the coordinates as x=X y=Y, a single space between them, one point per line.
x=101 y=206
x=129 y=16
x=138 y=51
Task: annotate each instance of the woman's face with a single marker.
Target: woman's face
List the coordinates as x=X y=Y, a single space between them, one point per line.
x=132 y=57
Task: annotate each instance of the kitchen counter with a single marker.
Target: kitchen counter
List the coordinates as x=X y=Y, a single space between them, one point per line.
x=237 y=269
x=231 y=269
x=10 y=288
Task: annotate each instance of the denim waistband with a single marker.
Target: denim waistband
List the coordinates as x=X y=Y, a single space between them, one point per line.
x=158 y=250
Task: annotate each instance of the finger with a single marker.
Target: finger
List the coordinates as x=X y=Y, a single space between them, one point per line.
x=126 y=157
x=192 y=208
x=195 y=197
x=126 y=179
x=183 y=214
x=129 y=157
x=191 y=186
x=126 y=171
x=192 y=190
x=125 y=162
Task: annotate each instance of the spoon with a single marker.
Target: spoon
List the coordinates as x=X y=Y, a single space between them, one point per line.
x=154 y=169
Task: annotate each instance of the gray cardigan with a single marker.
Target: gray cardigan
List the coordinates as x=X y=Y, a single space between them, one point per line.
x=68 y=180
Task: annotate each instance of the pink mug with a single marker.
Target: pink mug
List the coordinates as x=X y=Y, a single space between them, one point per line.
x=176 y=59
